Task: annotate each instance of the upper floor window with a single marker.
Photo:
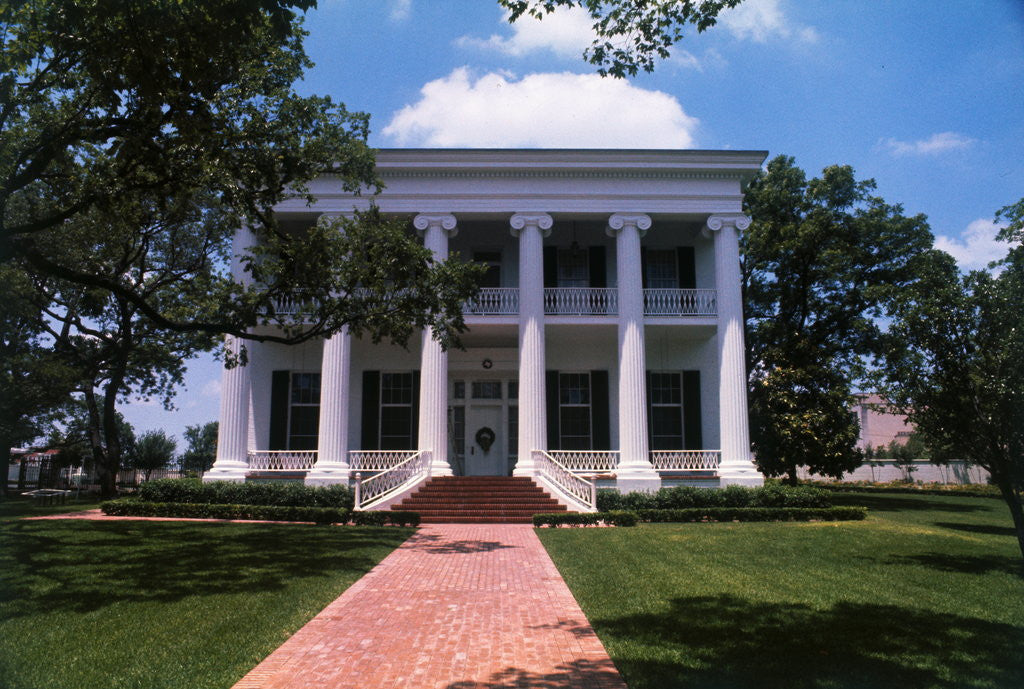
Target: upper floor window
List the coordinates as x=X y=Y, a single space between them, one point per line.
x=492 y=259
x=662 y=269
x=573 y=268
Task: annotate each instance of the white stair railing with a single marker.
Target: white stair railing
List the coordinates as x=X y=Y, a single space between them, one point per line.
x=586 y=460
x=581 y=301
x=580 y=493
x=680 y=302
x=281 y=460
x=494 y=301
x=393 y=481
x=685 y=460
x=377 y=460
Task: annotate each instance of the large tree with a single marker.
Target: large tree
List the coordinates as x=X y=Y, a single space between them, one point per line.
x=956 y=364
x=629 y=35
x=821 y=262
x=153 y=450
x=140 y=108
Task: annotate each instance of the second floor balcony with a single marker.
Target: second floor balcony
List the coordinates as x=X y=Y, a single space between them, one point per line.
x=595 y=301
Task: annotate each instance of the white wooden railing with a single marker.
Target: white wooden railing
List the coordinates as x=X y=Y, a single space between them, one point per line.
x=291 y=304
x=581 y=301
x=494 y=301
x=281 y=460
x=579 y=492
x=377 y=460
x=586 y=460
x=392 y=481
x=680 y=302
x=685 y=460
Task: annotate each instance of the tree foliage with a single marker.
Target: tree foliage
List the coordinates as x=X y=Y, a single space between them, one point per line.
x=955 y=366
x=153 y=450
x=630 y=34
x=822 y=260
x=202 y=447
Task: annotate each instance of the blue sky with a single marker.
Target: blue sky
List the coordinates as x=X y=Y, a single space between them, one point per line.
x=924 y=97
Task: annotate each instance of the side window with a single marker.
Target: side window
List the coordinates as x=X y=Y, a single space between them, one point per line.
x=574 y=413
x=396 y=391
x=304 y=411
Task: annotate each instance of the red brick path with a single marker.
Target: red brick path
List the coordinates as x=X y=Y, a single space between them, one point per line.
x=456 y=606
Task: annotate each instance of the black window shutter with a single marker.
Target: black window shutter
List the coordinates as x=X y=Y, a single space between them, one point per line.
x=687 y=267
x=551 y=266
x=643 y=267
x=279 y=389
x=600 y=431
x=691 y=411
x=598 y=268
x=551 y=397
x=415 y=425
x=371 y=410
x=647 y=401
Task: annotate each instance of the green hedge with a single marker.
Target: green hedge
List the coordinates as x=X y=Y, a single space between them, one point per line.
x=684 y=497
x=960 y=490
x=382 y=517
x=614 y=518
x=231 y=493
x=277 y=513
x=754 y=514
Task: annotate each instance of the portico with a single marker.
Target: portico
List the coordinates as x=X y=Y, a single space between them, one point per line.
x=607 y=337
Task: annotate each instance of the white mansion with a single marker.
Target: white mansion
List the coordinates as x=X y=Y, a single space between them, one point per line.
x=607 y=338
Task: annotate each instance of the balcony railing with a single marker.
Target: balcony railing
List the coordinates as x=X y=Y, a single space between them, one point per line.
x=581 y=301
x=495 y=301
x=680 y=302
x=282 y=460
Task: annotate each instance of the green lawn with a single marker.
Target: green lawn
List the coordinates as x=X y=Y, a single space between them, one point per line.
x=928 y=592
x=163 y=604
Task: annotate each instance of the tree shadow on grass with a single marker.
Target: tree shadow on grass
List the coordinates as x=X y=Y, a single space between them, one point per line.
x=889 y=502
x=86 y=566
x=989 y=529
x=729 y=642
x=964 y=564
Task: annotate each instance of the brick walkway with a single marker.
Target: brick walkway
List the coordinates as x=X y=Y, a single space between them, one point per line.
x=456 y=606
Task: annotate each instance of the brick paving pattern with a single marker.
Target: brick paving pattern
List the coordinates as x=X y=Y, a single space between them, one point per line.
x=456 y=606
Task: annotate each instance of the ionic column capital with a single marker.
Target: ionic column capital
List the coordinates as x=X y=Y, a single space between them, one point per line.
x=443 y=221
x=714 y=223
x=619 y=221
x=520 y=221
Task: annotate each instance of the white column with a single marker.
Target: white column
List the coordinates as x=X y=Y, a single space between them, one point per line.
x=635 y=471
x=232 y=460
x=332 y=444
x=531 y=229
x=733 y=417
x=433 y=432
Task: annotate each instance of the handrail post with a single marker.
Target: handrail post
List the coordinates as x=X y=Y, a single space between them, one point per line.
x=357 y=498
x=593 y=491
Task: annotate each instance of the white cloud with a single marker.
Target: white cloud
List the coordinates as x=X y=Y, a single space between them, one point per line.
x=933 y=145
x=566 y=33
x=546 y=110
x=400 y=10
x=977 y=245
x=211 y=388
x=761 y=20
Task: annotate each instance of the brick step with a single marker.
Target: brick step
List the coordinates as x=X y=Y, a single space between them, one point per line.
x=482 y=495
x=452 y=504
x=479 y=514
x=477 y=520
x=479 y=500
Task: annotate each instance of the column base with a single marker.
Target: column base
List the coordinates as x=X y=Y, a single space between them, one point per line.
x=328 y=475
x=440 y=468
x=227 y=471
x=740 y=474
x=637 y=479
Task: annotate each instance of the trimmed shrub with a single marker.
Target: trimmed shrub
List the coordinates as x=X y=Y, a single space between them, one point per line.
x=754 y=514
x=613 y=518
x=404 y=518
x=685 y=497
x=230 y=493
x=959 y=490
x=142 y=508
x=370 y=518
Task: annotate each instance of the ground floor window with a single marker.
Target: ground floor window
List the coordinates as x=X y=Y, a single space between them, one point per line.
x=396 y=411
x=665 y=392
x=574 y=411
x=304 y=411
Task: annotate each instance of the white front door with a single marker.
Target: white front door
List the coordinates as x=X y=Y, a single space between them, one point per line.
x=486 y=444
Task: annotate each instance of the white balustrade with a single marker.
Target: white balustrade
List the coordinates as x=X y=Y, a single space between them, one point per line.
x=494 y=301
x=586 y=460
x=282 y=460
x=376 y=489
x=581 y=301
x=680 y=302
x=579 y=492
x=377 y=460
x=685 y=460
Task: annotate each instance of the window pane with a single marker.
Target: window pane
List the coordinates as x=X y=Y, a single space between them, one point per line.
x=396 y=388
x=305 y=388
x=487 y=390
x=459 y=390
x=573 y=268
x=661 y=269
x=513 y=390
x=574 y=388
